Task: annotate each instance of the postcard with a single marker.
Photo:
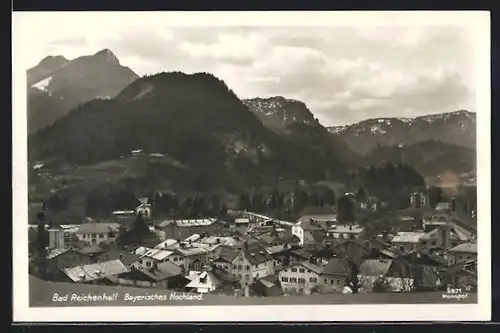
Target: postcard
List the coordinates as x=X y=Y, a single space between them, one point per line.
x=251 y=166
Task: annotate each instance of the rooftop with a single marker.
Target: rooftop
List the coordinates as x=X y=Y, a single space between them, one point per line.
x=407 y=237
x=98 y=228
x=465 y=247
x=96 y=271
x=348 y=229
x=188 y=223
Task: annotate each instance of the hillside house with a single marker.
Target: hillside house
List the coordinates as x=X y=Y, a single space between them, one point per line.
x=463 y=252
x=144 y=209
x=165 y=275
x=105 y=272
x=96 y=233
x=419 y=200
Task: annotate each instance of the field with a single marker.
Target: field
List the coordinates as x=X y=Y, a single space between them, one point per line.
x=41 y=293
x=74 y=182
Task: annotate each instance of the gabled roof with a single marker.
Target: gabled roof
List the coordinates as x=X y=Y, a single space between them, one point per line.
x=56 y=252
x=227 y=255
x=465 y=247
x=256 y=255
x=98 y=228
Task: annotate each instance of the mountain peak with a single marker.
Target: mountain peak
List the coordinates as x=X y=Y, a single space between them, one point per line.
x=53 y=61
x=108 y=55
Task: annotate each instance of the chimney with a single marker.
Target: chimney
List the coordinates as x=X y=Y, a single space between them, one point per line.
x=453 y=204
x=350 y=227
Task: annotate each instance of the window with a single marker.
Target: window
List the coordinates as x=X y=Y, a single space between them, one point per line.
x=284 y=279
x=239 y=266
x=332 y=282
x=247 y=277
x=148 y=263
x=313 y=280
x=293 y=280
x=338 y=281
x=257 y=275
x=433 y=243
x=176 y=259
x=234 y=266
x=140 y=261
x=247 y=267
x=459 y=257
x=468 y=257
x=301 y=280
x=325 y=281
x=294 y=270
x=302 y=270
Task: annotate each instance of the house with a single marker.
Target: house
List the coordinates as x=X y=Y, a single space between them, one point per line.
x=310 y=232
x=424 y=257
x=166 y=244
x=198 y=255
x=144 y=209
x=96 y=233
x=443 y=207
x=92 y=251
x=242 y=222
x=462 y=252
x=395 y=275
x=252 y=262
x=60 y=258
x=268 y=286
x=351 y=231
x=311 y=276
x=275 y=237
x=407 y=241
x=165 y=275
x=181 y=229
x=445 y=235
x=97 y=273
x=137 y=152
x=149 y=257
x=419 y=200
x=462 y=275
x=212 y=279
x=225 y=259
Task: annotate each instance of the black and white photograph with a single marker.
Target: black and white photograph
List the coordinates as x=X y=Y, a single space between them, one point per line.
x=261 y=166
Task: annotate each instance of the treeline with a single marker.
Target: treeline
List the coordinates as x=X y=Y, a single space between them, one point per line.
x=101 y=202
x=195 y=206
x=389 y=183
x=287 y=202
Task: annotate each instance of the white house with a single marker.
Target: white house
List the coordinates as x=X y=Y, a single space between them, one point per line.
x=144 y=209
x=96 y=233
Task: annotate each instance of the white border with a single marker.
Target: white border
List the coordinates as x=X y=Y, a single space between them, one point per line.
x=479 y=24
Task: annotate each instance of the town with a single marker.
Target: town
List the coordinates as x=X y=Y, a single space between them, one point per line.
x=349 y=243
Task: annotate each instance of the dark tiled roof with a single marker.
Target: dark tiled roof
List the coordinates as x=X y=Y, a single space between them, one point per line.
x=163 y=271
x=256 y=255
x=227 y=255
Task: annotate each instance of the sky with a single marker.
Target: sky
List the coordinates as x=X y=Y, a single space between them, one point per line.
x=343 y=73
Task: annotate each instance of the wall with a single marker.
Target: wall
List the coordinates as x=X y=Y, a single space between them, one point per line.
x=93 y=238
x=458 y=257
x=290 y=280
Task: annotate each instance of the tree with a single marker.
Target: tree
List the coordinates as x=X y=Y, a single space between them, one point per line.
x=361 y=195
x=435 y=196
x=353 y=272
x=346 y=209
x=41 y=246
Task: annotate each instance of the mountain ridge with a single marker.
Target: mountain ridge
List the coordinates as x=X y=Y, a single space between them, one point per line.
x=56 y=84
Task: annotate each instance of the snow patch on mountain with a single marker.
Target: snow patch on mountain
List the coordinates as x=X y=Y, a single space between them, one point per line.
x=43 y=84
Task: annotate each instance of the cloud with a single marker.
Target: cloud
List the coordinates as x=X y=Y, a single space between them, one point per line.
x=343 y=74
